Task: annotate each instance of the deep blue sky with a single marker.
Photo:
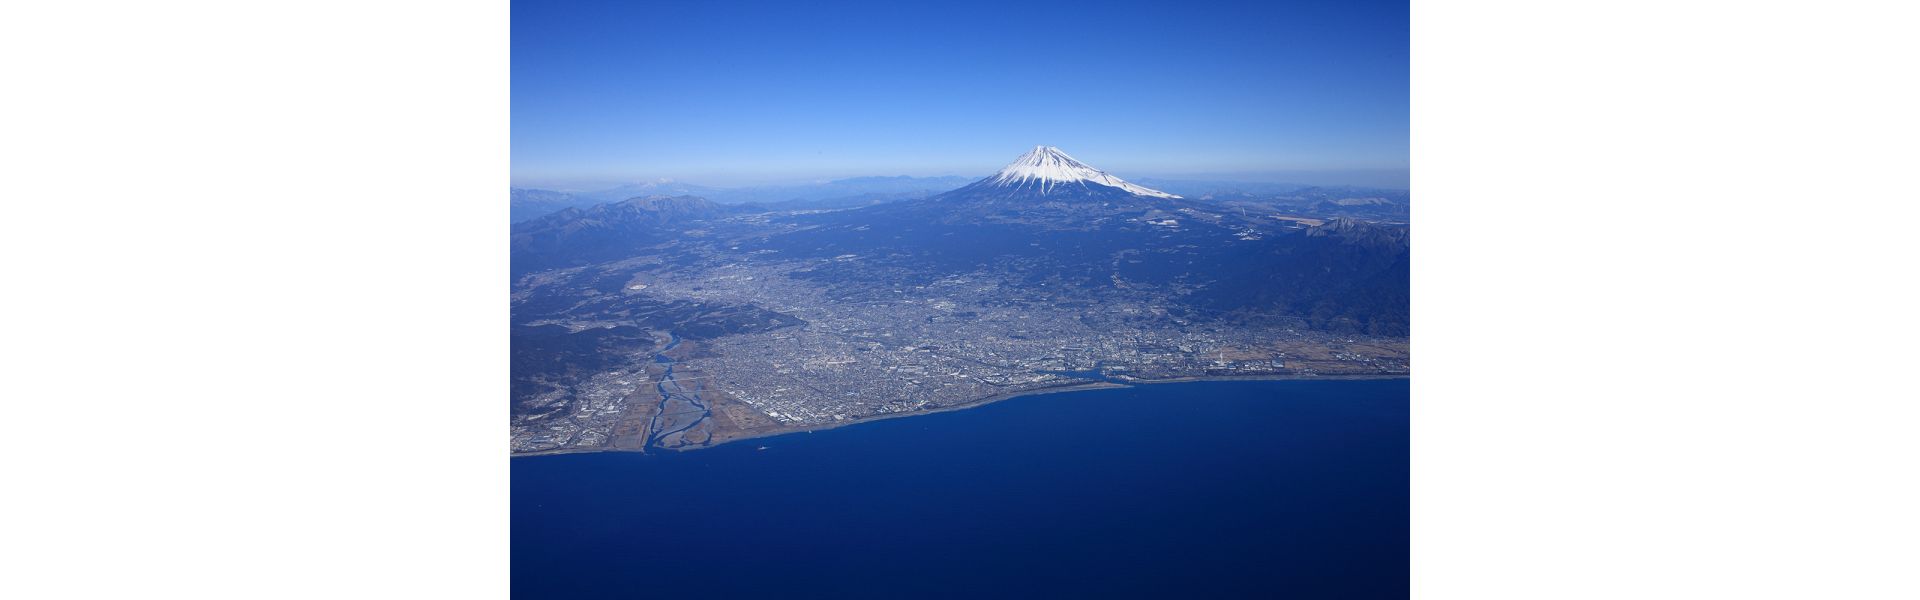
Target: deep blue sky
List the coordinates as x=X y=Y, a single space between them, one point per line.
x=722 y=93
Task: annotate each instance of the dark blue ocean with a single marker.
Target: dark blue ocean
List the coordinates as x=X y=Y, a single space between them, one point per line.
x=1288 y=489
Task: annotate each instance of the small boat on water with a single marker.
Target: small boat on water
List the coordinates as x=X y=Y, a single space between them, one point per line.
x=761 y=448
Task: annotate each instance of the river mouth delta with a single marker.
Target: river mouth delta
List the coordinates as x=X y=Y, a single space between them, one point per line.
x=1261 y=485
x=680 y=414
x=660 y=389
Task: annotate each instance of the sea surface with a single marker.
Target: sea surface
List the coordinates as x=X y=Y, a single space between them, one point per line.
x=1280 y=489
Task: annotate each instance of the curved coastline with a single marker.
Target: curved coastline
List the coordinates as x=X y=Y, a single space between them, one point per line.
x=1059 y=389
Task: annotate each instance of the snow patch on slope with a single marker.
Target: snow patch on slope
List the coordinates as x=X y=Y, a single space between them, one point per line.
x=1046 y=167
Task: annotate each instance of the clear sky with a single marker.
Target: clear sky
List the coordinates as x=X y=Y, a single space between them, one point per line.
x=723 y=93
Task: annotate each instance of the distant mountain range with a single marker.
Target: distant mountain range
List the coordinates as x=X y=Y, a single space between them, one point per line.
x=1353 y=201
x=528 y=203
x=575 y=235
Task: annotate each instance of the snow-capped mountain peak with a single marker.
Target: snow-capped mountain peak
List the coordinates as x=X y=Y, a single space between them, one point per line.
x=1045 y=168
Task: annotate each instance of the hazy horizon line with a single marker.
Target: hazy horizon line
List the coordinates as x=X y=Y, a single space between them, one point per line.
x=1385 y=178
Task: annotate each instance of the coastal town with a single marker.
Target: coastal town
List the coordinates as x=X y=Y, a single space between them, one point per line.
x=954 y=342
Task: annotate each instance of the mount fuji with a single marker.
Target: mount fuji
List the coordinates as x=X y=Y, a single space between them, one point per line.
x=1047 y=170
x=1048 y=174
x=1046 y=218
x=1060 y=222
x=799 y=318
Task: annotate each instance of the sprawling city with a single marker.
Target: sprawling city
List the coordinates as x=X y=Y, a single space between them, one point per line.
x=693 y=324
